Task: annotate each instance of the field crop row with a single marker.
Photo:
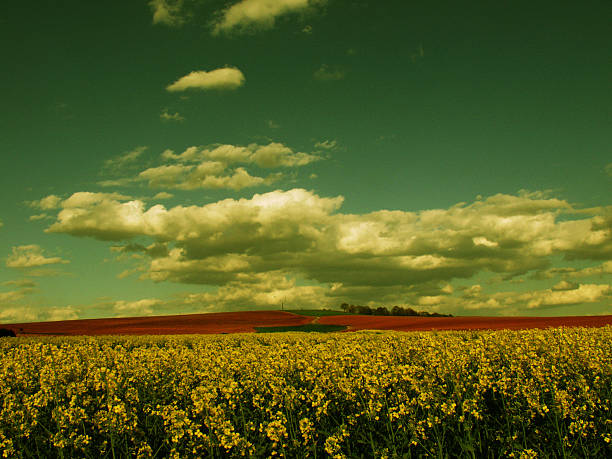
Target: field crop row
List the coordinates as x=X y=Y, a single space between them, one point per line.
x=462 y=394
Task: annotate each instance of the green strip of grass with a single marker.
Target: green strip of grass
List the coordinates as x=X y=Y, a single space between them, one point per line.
x=318 y=312
x=320 y=328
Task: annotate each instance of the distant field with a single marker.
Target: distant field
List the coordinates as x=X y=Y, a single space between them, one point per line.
x=248 y=321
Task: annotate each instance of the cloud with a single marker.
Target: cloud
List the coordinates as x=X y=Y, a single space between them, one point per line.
x=135 y=308
x=163 y=195
x=29 y=256
x=127 y=158
x=584 y=293
x=167 y=116
x=37 y=217
x=227 y=78
x=380 y=254
x=272 y=155
x=328 y=73
x=47 y=203
x=17 y=315
x=167 y=12
x=15 y=295
x=247 y=15
x=215 y=167
x=327 y=145
x=24 y=283
x=61 y=313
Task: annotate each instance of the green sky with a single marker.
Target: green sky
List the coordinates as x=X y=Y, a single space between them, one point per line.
x=202 y=155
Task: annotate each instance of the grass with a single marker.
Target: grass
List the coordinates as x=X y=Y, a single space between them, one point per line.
x=318 y=312
x=320 y=328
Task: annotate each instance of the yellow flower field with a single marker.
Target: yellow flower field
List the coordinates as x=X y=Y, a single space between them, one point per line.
x=532 y=393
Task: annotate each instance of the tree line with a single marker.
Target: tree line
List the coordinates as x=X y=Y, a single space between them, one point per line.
x=383 y=311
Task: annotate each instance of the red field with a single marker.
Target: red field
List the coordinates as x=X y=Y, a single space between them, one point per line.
x=462 y=323
x=224 y=322
x=244 y=322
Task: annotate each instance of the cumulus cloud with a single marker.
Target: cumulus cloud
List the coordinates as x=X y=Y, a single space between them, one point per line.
x=29 y=256
x=47 y=203
x=396 y=257
x=17 y=314
x=163 y=195
x=272 y=155
x=167 y=12
x=251 y=14
x=224 y=78
x=216 y=167
x=584 y=293
x=135 y=308
x=123 y=160
x=61 y=313
x=167 y=116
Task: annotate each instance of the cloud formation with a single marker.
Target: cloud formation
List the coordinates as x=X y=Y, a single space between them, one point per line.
x=388 y=255
x=247 y=15
x=30 y=256
x=216 y=167
x=227 y=78
x=167 y=12
x=167 y=116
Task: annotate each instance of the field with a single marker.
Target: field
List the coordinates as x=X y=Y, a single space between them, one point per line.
x=248 y=321
x=527 y=393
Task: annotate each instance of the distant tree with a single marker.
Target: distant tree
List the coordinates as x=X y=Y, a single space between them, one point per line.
x=381 y=311
x=7 y=332
x=345 y=307
x=366 y=310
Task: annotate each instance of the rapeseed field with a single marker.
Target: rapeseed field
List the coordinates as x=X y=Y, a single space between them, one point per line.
x=522 y=394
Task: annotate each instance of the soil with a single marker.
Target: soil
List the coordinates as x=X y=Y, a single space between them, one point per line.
x=245 y=322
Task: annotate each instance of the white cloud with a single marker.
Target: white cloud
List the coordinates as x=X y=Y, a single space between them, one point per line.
x=163 y=195
x=29 y=256
x=167 y=116
x=17 y=315
x=249 y=14
x=585 y=293
x=47 y=203
x=223 y=78
x=135 y=308
x=124 y=160
x=61 y=313
x=37 y=217
x=390 y=255
x=168 y=12
x=327 y=145
x=272 y=155
x=214 y=167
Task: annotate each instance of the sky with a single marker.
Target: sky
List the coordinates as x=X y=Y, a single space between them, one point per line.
x=185 y=156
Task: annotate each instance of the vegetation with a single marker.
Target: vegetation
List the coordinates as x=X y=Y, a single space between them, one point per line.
x=7 y=332
x=321 y=328
x=527 y=393
x=383 y=311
